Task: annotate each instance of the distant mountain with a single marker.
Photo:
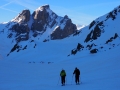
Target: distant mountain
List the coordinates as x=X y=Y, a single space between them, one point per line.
x=32 y=33
x=80 y=26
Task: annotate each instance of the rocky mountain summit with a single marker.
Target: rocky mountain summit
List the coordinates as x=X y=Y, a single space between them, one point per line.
x=37 y=23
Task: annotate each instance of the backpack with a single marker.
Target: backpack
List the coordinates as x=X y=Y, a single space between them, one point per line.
x=62 y=73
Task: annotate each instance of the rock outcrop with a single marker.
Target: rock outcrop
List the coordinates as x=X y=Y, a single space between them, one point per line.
x=68 y=29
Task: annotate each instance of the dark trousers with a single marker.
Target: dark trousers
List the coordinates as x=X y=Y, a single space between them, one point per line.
x=63 y=79
x=77 y=79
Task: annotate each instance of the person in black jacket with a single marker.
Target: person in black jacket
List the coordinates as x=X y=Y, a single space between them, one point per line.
x=77 y=74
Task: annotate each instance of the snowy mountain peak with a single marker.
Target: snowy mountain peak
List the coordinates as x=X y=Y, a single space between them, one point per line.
x=43 y=7
x=24 y=16
x=41 y=24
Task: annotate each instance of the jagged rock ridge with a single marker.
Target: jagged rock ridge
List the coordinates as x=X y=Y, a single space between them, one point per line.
x=40 y=21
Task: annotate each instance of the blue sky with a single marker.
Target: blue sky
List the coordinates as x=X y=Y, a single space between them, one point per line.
x=80 y=11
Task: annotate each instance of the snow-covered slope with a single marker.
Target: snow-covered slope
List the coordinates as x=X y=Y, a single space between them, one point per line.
x=102 y=34
x=98 y=72
x=80 y=26
x=35 y=65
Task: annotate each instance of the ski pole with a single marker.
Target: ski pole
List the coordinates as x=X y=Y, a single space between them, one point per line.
x=72 y=79
x=80 y=80
x=66 y=80
x=58 y=81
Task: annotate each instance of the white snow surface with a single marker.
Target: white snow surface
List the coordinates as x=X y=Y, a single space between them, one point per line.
x=39 y=68
x=80 y=26
x=98 y=72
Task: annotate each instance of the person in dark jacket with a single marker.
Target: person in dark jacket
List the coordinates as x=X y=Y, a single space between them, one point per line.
x=77 y=74
x=63 y=75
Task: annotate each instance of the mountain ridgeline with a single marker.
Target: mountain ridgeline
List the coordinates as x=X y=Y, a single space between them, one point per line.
x=102 y=32
x=44 y=25
x=40 y=21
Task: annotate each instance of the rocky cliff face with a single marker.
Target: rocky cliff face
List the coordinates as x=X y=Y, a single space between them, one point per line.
x=39 y=22
x=69 y=28
x=23 y=17
x=20 y=26
x=41 y=18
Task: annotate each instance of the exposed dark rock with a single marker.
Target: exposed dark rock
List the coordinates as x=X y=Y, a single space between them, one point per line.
x=79 y=47
x=45 y=40
x=90 y=46
x=35 y=34
x=74 y=51
x=66 y=17
x=94 y=51
x=2 y=31
x=112 y=38
x=41 y=17
x=16 y=46
x=25 y=16
x=25 y=47
x=112 y=14
x=35 y=45
x=94 y=34
x=115 y=36
x=18 y=50
x=57 y=34
x=76 y=33
x=32 y=41
x=92 y=24
x=10 y=35
x=69 y=29
x=22 y=37
x=21 y=30
x=88 y=38
x=8 y=54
